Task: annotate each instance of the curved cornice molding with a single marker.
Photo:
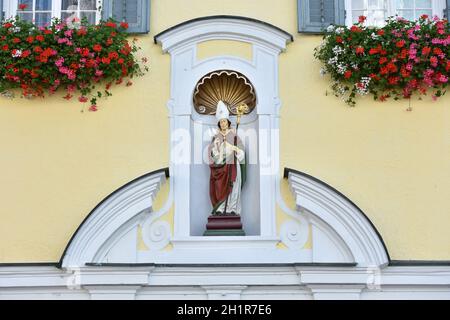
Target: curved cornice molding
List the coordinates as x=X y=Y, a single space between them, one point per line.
x=114 y=211
x=223 y=27
x=342 y=215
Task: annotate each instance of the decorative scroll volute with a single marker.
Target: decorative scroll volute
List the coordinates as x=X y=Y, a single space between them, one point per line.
x=231 y=87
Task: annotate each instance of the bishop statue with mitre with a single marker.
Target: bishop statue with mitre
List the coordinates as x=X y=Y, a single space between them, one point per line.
x=227 y=164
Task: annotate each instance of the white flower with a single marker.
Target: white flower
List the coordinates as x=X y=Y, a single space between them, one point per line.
x=339 y=30
x=330 y=28
x=323 y=72
x=337 y=50
x=16 y=29
x=17 y=54
x=341 y=68
x=374 y=36
x=332 y=60
x=362 y=86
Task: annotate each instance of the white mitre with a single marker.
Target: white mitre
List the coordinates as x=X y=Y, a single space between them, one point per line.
x=222 y=111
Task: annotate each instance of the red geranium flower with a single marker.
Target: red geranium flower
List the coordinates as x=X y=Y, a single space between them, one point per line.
x=84 y=52
x=97 y=48
x=82 y=32
x=383 y=60
x=26 y=53
x=359 y=50
x=40 y=38
x=113 y=55
x=400 y=43
x=23 y=6
x=437 y=51
x=347 y=74
x=361 y=19
x=111 y=24
x=124 y=25
x=106 y=60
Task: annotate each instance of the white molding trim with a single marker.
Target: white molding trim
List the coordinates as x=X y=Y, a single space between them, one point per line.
x=326 y=206
x=221 y=27
x=95 y=236
x=229 y=282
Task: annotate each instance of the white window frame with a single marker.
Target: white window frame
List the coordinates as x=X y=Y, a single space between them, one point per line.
x=438 y=7
x=11 y=9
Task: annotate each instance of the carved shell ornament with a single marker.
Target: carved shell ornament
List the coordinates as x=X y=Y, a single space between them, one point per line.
x=231 y=87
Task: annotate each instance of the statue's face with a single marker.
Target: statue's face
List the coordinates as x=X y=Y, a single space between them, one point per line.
x=223 y=124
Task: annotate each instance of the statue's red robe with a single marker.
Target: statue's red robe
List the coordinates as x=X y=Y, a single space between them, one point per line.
x=223 y=174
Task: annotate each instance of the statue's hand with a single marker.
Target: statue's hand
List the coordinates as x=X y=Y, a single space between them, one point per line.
x=232 y=147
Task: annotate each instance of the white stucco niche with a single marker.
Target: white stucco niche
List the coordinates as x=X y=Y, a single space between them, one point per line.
x=181 y=42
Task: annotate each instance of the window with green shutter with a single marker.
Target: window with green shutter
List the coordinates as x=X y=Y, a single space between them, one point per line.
x=316 y=15
x=135 y=12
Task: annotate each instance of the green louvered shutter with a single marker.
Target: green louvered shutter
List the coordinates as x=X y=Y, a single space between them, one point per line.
x=1 y=10
x=447 y=11
x=135 y=12
x=316 y=15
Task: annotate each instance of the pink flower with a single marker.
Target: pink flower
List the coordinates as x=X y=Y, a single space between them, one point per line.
x=93 y=108
x=83 y=99
x=71 y=88
x=412 y=54
x=68 y=33
x=71 y=75
x=443 y=78
x=59 y=62
x=64 y=70
x=98 y=73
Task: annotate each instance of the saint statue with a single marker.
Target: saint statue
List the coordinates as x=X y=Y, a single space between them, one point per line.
x=228 y=167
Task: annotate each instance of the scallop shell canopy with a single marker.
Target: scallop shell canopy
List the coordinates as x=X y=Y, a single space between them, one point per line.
x=231 y=87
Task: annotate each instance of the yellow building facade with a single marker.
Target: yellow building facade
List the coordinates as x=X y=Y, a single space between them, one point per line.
x=390 y=159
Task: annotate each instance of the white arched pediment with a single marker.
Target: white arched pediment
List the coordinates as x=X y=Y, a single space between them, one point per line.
x=338 y=219
x=223 y=27
x=110 y=221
